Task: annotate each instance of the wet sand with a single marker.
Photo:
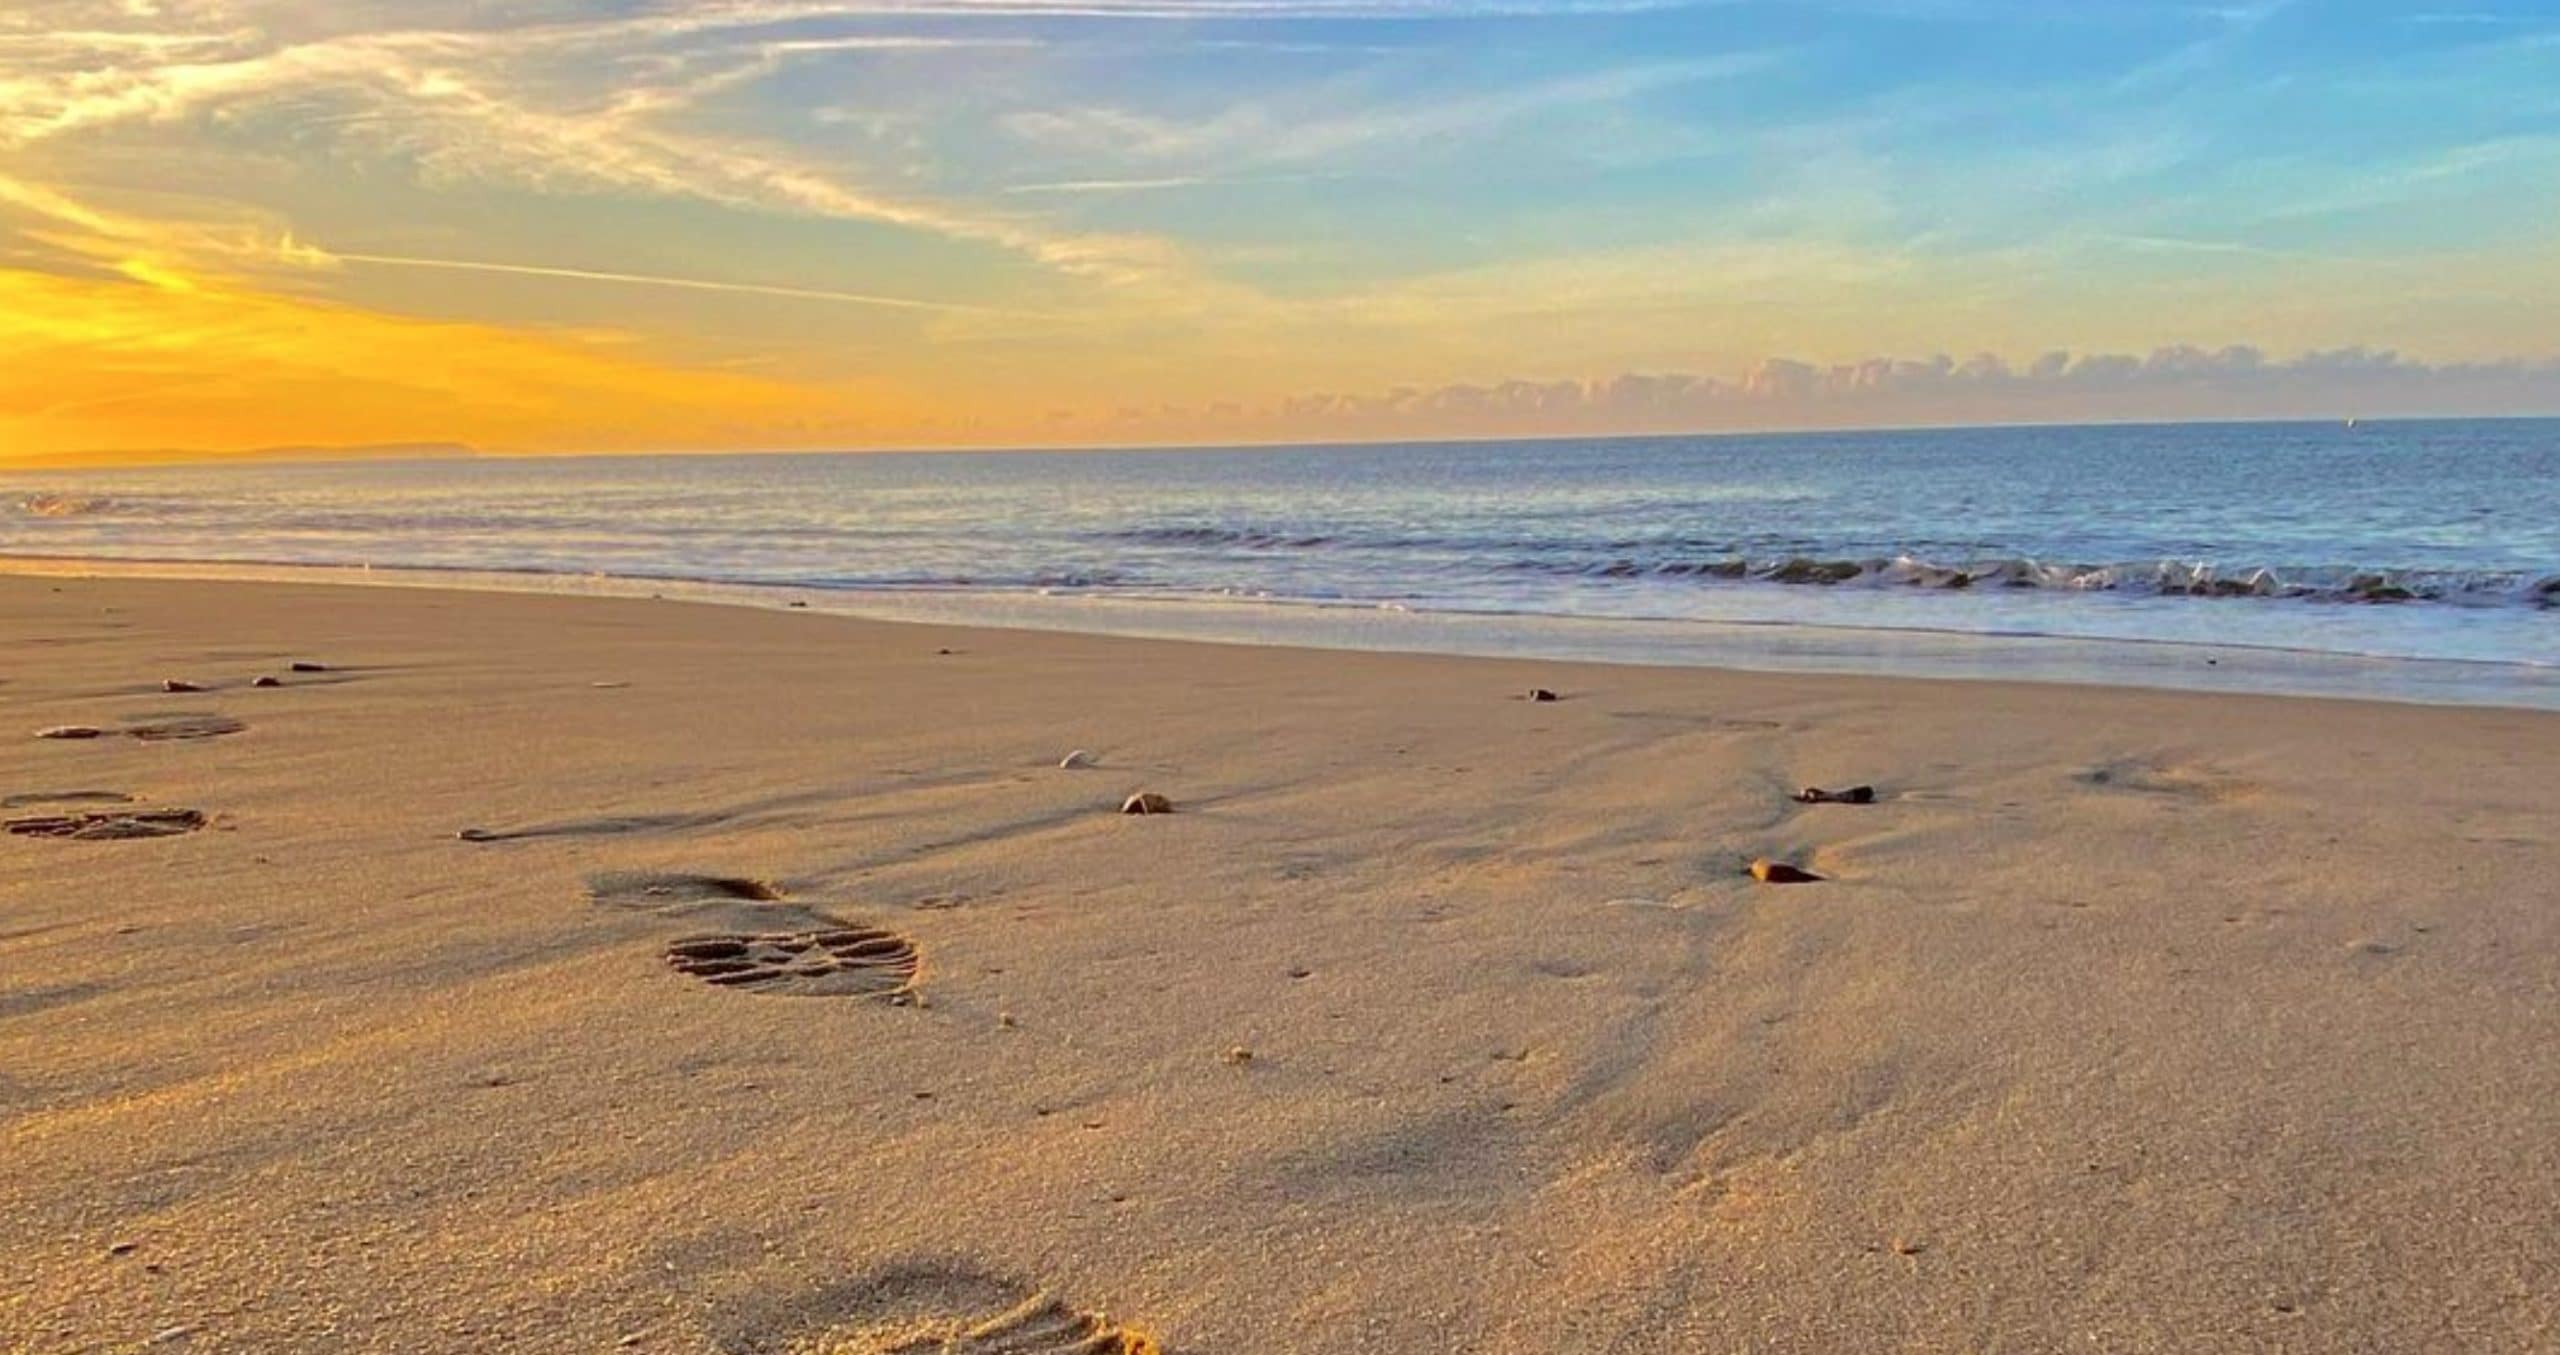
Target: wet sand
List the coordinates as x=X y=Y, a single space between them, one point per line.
x=787 y=996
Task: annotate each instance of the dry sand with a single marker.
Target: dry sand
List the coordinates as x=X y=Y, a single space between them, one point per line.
x=1433 y=1020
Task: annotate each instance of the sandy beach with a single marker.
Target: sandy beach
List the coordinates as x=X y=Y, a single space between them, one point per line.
x=1433 y=1019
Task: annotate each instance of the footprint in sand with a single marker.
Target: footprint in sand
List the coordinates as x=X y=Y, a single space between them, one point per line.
x=934 y=1312
x=107 y=825
x=838 y=961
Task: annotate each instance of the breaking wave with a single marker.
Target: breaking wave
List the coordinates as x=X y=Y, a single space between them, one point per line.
x=2153 y=578
x=64 y=505
x=1714 y=561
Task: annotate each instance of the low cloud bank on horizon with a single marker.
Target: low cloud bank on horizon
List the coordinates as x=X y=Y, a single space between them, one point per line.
x=2178 y=382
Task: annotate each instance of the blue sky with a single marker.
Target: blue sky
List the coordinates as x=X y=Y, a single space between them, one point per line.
x=611 y=223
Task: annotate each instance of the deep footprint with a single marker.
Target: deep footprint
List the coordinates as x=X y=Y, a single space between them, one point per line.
x=831 y=962
x=652 y=891
x=107 y=825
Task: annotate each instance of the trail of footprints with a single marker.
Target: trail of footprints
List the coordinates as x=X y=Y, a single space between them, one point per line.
x=812 y=955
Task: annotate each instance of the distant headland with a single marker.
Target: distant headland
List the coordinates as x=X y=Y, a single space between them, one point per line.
x=180 y=456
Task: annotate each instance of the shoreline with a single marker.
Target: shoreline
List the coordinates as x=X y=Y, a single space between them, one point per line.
x=1736 y=646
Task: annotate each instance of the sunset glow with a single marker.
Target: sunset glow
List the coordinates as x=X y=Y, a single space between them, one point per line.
x=576 y=225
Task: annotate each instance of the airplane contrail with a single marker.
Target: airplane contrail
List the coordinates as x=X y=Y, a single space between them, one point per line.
x=686 y=284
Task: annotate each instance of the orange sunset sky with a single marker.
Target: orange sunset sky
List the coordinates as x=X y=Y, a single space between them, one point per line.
x=583 y=225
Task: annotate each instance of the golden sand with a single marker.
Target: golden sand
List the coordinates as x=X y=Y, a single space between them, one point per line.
x=785 y=994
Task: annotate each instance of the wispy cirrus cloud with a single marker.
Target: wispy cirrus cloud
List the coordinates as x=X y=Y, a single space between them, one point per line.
x=319 y=258
x=1309 y=126
x=421 y=96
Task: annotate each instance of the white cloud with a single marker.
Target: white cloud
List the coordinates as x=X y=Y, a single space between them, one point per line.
x=2177 y=381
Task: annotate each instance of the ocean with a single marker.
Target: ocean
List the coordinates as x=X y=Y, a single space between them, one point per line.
x=2413 y=558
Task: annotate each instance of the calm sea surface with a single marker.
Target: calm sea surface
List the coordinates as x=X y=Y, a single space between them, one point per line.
x=2414 y=540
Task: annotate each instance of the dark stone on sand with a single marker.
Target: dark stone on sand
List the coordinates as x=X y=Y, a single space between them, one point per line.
x=477 y=835
x=307 y=666
x=1541 y=694
x=1146 y=802
x=70 y=732
x=268 y=681
x=1770 y=872
x=178 y=685
x=1854 y=795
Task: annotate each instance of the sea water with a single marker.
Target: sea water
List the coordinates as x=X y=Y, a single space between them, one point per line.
x=2421 y=542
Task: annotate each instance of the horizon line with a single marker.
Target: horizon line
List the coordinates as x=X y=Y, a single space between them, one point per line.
x=438 y=450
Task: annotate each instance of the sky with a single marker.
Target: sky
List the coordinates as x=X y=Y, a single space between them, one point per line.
x=613 y=225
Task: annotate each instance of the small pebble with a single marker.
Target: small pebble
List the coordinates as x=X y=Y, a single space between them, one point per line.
x=307 y=666
x=1771 y=872
x=1236 y=1055
x=70 y=732
x=1854 y=795
x=1541 y=694
x=1079 y=758
x=1005 y=1019
x=178 y=685
x=267 y=680
x=121 y=1248
x=1146 y=802
x=166 y=1335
